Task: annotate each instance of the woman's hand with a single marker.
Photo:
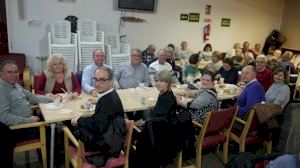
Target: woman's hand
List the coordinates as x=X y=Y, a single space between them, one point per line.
x=74 y=95
x=50 y=95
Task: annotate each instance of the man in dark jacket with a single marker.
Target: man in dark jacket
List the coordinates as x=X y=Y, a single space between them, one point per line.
x=105 y=130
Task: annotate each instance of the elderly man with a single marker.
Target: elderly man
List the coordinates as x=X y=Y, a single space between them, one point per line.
x=184 y=52
x=15 y=100
x=159 y=65
x=105 y=130
x=264 y=75
x=253 y=92
x=246 y=48
x=130 y=74
x=277 y=54
x=148 y=54
x=88 y=72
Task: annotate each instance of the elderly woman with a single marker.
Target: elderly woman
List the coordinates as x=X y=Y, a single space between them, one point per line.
x=279 y=92
x=166 y=103
x=286 y=62
x=263 y=74
x=204 y=100
x=159 y=130
x=228 y=72
x=56 y=78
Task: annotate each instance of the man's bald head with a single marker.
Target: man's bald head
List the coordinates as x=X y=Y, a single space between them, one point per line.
x=248 y=74
x=151 y=48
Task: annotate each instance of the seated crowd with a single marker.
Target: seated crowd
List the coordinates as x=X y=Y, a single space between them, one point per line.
x=261 y=78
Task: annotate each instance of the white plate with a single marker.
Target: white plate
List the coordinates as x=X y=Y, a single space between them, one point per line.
x=52 y=106
x=87 y=110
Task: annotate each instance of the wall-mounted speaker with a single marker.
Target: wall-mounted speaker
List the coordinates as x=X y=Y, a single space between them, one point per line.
x=21 y=9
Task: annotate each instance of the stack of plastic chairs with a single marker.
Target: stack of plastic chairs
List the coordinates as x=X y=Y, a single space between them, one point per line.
x=89 y=39
x=62 y=41
x=116 y=52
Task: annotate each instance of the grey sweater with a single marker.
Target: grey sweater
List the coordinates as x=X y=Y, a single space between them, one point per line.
x=15 y=103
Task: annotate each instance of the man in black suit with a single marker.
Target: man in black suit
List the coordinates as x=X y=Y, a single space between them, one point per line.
x=105 y=130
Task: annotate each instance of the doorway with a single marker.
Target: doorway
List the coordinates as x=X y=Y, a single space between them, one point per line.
x=3 y=29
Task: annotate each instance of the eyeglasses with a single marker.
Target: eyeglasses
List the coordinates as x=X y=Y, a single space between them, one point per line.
x=11 y=72
x=100 y=80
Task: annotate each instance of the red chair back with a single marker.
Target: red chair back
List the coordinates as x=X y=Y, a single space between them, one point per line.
x=220 y=120
x=255 y=125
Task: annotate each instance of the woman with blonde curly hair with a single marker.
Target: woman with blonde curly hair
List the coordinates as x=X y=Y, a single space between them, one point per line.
x=56 y=78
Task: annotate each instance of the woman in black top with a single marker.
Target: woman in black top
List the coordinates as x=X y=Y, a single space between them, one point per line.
x=156 y=145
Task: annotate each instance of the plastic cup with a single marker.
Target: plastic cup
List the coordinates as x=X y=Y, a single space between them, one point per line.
x=56 y=101
x=69 y=96
x=87 y=105
x=222 y=80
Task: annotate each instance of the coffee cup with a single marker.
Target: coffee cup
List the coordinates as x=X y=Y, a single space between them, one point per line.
x=87 y=105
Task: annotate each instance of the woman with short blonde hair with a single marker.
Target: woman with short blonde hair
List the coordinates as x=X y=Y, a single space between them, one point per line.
x=56 y=78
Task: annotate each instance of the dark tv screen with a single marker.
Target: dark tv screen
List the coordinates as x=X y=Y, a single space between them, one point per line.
x=137 y=5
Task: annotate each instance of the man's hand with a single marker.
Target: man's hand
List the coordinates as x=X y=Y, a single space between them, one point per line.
x=34 y=119
x=94 y=92
x=74 y=120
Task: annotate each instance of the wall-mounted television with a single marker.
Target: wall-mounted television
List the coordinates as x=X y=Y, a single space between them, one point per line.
x=148 y=6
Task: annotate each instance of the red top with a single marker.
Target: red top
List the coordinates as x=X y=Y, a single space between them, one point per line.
x=265 y=78
x=41 y=83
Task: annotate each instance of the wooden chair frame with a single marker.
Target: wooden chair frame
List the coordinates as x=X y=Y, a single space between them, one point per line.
x=199 y=142
x=77 y=161
x=36 y=145
x=241 y=140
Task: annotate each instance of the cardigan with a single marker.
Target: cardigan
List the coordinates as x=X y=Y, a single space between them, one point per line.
x=204 y=102
x=252 y=94
x=278 y=93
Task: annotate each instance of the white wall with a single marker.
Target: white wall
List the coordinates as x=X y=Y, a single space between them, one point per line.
x=291 y=23
x=250 y=20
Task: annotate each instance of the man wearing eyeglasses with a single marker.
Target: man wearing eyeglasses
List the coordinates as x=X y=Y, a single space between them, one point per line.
x=15 y=100
x=131 y=73
x=14 y=109
x=105 y=130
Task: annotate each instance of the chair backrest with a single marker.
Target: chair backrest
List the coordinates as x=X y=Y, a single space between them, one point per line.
x=79 y=76
x=255 y=125
x=114 y=41
x=87 y=29
x=221 y=120
x=129 y=126
x=61 y=32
